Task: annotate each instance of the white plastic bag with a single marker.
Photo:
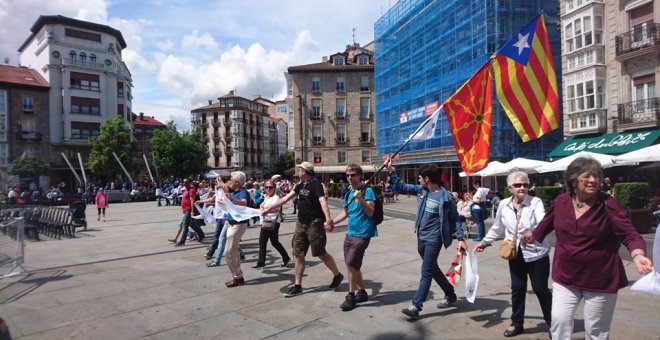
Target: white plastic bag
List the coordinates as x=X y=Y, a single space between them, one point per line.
x=471 y=276
x=650 y=283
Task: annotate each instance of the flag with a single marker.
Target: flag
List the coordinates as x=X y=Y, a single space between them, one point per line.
x=526 y=82
x=427 y=129
x=455 y=270
x=469 y=112
x=237 y=212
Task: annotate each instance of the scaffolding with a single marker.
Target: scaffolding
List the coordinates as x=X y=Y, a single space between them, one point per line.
x=426 y=49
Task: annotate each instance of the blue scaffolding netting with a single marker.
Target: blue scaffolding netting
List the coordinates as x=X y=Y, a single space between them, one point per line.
x=426 y=49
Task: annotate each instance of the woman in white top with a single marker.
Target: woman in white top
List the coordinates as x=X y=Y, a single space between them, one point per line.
x=532 y=260
x=270 y=228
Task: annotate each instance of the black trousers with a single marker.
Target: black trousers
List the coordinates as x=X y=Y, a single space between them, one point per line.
x=274 y=237
x=538 y=272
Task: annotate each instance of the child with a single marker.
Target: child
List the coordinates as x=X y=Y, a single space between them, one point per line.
x=101 y=203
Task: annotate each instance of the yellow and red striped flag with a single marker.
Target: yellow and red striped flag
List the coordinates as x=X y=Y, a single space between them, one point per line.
x=469 y=112
x=526 y=82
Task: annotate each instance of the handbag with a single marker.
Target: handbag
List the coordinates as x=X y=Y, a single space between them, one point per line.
x=508 y=247
x=268 y=225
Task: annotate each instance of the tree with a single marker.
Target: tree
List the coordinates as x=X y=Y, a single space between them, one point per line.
x=29 y=167
x=284 y=163
x=179 y=154
x=115 y=136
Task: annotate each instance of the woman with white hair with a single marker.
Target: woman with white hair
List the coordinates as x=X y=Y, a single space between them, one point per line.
x=522 y=212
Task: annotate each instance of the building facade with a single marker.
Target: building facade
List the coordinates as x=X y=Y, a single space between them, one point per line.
x=425 y=50
x=89 y=83
x=143 y=131
x=236 y=131
x=23 y=119
x=611 y=65
x=333 y=108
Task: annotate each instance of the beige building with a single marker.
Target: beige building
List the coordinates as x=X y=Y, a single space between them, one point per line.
x=610 y=72
x=333 y=107
x=236 y=131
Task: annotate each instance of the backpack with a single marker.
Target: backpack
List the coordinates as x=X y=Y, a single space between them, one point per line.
x=378 y=208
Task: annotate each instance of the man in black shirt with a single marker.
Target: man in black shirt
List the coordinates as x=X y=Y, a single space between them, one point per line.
x=313 y=221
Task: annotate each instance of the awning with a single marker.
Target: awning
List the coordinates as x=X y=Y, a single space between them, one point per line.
x=609 y=143
x=331 y=169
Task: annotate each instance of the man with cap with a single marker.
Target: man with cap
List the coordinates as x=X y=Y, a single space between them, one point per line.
x=313 y=221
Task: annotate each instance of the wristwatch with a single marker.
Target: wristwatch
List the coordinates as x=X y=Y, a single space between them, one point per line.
x=460 y=239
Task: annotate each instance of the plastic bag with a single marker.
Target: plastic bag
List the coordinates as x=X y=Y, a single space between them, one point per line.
x=650 y=283
x=471 y=276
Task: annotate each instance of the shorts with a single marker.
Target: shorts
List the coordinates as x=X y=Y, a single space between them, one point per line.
x=354 y=248
x=306 y=235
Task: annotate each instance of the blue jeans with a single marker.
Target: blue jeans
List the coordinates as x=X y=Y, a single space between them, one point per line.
x=222 y=241
x=429 y=252
x=216 y=236
x=186 y=225
x=478 y=215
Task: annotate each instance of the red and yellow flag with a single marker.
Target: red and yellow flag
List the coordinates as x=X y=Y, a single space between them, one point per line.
x=469 y=112
x=526 y=82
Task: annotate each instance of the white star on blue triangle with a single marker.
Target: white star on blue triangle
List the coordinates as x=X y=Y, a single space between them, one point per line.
x=519 y=47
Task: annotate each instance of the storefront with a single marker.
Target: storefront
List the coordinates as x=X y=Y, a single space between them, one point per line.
x=609 y=143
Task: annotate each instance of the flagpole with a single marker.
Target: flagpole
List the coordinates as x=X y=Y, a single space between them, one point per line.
x=400 y=148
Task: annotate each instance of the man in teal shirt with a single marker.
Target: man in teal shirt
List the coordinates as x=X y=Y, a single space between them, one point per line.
x=359 y=208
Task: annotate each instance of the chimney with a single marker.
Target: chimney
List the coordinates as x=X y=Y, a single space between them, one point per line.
x=210 y=101
x=324 y=59
x=141 y=115
x=231 y=93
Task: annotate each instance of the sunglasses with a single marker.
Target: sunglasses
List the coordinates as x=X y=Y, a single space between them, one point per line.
x=518 y=185
x=269 y=187
x=351 y=175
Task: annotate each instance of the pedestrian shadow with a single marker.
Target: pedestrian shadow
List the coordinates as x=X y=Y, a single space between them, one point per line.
x=16 y=290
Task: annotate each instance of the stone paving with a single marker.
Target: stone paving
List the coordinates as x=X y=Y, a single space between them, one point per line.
x=122 y=280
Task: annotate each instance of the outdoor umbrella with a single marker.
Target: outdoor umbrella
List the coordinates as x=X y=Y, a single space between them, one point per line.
x=647 y=154
x=491 y=166
x=518 y=164
x=606 y=161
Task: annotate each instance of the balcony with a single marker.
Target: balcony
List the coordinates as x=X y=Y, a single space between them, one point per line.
x=340 y=115
x=638 y=114
x=229 y=151
x=206 y=139
x=642 y=39
x=587 y=122
x=366 y=140
x=317 y=140
x=216 y=123
x=365 y=115
x=217 y=152
x=227 y=122
x=341 y=140
x=28 y=136
x=315 y=116
x=83 y=63
x=228 y=137
x=205 y=124
x=216 y=138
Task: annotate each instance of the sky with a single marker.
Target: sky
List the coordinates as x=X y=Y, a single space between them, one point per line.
x=183 y=53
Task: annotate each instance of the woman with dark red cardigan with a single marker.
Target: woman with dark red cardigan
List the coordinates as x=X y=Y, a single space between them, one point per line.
x=589 y=226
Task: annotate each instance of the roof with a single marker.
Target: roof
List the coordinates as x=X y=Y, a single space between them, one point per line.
x=22 y=76
x=62 y=20
x=147 y=120
x=328 y=66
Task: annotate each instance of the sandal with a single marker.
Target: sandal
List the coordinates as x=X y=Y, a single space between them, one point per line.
x=213 y=264
x=171 y=240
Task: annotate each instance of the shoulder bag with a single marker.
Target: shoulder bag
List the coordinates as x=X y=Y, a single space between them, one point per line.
x=508 y=247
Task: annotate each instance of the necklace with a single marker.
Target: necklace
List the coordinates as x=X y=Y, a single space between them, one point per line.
x=579 y=205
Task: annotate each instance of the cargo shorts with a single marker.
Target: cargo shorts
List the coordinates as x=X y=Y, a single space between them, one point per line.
x=309 y=234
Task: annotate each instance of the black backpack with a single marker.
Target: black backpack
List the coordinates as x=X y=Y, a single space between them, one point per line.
x=378 y=208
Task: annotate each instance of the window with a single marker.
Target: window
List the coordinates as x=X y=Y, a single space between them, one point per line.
x=644 y=87
x=578 y=33
x=4 y=155
x=83 y=56
x=340 y=84
x=590 y=99
x=28 y=104
x=364 y=108
x=366 y=156
x=83 y=130
x=340 y=114
x=316 y=108
x=84 y=81
x=69 y=32
x=338 y=61
x=72 y=54
x=363 y=60
x=341 y=134
x=586 y=21
x=92 y=57
x=3 y=119
x=85 y=105
x=570 y=98
x=569 y=37
x=341 y=156
x=316 y=85
x=316 y=134
x=364 y=132
x=364 y=84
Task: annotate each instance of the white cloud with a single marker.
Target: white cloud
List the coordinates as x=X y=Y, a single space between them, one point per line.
x=165 y=45
x=195 y=42
x=164 y=113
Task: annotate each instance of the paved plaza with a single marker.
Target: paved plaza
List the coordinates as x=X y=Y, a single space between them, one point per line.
x=122 y=280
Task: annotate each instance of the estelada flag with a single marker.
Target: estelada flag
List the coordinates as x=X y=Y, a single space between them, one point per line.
x=469 y=112
x=454 y=272
x=526 y=82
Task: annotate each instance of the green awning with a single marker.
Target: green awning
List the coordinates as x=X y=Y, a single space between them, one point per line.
x=609 y=143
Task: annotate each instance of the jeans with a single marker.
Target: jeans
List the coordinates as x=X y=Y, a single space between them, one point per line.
x=273 y=236
x=538 y=272
x=222 y=241
x=429 y=252
x=219 y=223
x=186 y=224
x=158 y=198
x=478 y=216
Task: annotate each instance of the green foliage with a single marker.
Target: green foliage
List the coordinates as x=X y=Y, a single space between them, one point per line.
x=506 y=193
x=179 y=154
x=548 y=194
x=632 y=195
x=376 y=189
x=29 y=167
x=334 y=189
x=115 y=136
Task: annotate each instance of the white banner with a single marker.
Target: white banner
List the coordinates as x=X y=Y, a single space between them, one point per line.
x=237 y=212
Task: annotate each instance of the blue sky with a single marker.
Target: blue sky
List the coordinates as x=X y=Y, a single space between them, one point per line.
x=183 y=53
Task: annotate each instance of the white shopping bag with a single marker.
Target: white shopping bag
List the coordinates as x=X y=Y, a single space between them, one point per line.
x=471 y=276
x=650 y=283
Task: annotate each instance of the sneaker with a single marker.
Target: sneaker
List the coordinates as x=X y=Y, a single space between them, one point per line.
x=361 y=296
x=349 y=303
x=336 y=281
x=477 y=239
x=412 y=311
x=207 y=256
x=293 y=291
x=448 y=301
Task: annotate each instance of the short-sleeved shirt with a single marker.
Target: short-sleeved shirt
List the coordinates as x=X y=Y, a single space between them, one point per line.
x=309 y=206
x=482 y=194
x=359 y=223
x=187 y=196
